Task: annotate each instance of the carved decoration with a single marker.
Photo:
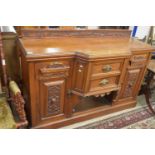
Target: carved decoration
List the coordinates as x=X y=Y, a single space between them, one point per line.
x=19 y=102
x=138 y=61
x=139 y=58
x=38 y=33
x=54 y=66
x=54 y=99
x=54 y=70
x=53 y=75
x=138 y=64
x=132 y=77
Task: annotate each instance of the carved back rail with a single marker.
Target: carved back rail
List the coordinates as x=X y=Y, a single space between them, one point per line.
x=48 y=33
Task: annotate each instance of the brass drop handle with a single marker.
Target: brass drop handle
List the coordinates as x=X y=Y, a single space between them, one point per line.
x=104 y=82
x=107 y=68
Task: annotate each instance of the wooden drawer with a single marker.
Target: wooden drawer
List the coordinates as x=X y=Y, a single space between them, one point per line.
x=88 y=76
x=138 y=60
x=103 y=83
x=107 y=67
x=140 y=57
x=52 y=69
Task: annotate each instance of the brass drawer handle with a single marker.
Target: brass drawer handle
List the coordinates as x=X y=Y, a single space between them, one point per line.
x=107 y=68
x=104 y=82
x=56 y=63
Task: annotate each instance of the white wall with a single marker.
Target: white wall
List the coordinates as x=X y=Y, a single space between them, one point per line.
x=142 y=31
x=92 y=27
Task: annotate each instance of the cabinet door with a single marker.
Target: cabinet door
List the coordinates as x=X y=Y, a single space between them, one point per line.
x=51 y=98
x=132 y=77
x=52 y=82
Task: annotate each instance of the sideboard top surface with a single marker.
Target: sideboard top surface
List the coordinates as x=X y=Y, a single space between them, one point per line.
x=86 y=47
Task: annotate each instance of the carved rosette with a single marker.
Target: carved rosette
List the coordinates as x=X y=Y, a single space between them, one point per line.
x=54 y=99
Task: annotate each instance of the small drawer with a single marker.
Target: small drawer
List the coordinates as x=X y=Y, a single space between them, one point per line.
x=52 y=69
x=138 y=61
x=142 y=57
x=106 y=67
x=103 y=83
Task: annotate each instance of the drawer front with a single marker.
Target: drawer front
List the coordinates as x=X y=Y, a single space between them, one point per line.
x=52 y=69
x=104 y=67
x=103 y=83
x=140 y=57
x=139 y=60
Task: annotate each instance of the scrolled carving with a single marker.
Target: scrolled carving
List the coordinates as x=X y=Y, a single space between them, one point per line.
x=54 y=67
x=138 y=64
x=139 y=58
x=53 y=75
x=138 y=61
x=54 y=70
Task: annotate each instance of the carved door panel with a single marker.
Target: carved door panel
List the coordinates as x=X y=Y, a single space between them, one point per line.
x=134 y=75
x=131 y=83
x=52 y=82
x=51 y=98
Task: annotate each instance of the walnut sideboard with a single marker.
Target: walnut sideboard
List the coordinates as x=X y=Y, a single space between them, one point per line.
x=74 y=75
